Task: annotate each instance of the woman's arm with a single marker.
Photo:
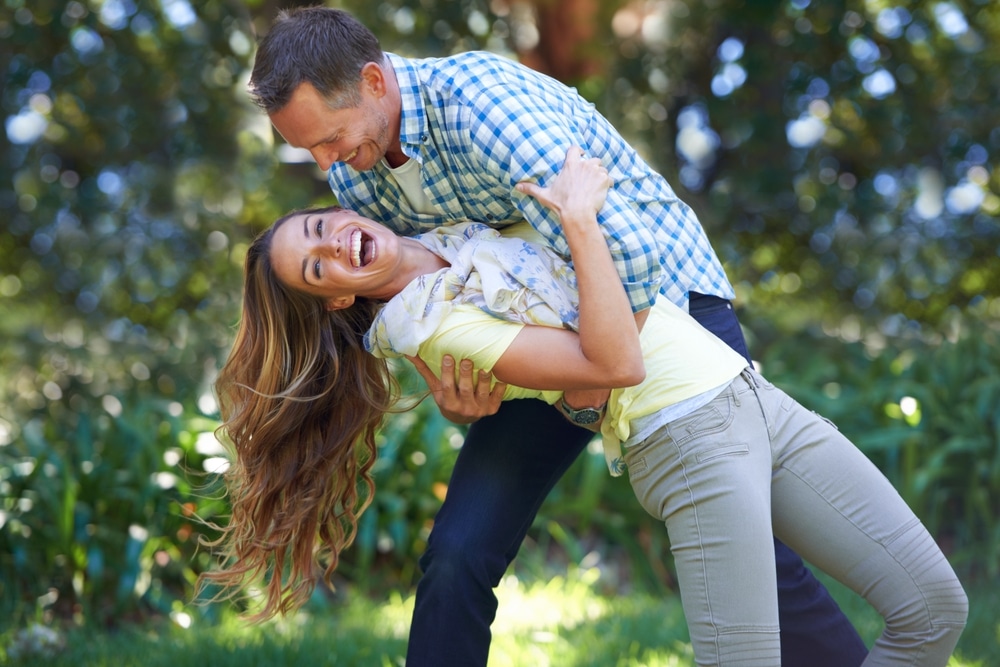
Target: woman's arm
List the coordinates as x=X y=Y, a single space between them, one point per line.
x=606 y=352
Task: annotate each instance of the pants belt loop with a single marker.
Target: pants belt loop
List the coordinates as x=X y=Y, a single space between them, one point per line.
x=735 y=391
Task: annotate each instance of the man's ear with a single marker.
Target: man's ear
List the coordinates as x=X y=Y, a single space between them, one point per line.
x=340 y=302
x=373 y=77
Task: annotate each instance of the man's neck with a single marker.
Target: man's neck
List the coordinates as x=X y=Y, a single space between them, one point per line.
x=394 y=155
x=396 y=158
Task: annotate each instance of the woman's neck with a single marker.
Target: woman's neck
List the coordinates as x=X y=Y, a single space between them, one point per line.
x=417 y=261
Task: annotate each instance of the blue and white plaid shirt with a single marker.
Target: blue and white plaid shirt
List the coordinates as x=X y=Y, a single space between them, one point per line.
x=479 y=123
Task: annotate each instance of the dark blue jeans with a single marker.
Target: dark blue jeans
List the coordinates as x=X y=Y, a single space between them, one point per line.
x=508 y=464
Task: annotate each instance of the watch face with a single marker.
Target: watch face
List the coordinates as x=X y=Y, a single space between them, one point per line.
x=586 y=416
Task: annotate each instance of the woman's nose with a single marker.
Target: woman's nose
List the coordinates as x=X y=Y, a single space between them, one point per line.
x=332 y=247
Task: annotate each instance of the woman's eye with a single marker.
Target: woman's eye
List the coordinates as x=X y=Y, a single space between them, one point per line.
x=316 y=269
x=319 y=228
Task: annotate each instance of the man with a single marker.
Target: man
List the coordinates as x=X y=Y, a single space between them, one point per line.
x=421 y=143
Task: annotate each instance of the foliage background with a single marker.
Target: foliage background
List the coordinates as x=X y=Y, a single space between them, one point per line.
x=842 y=155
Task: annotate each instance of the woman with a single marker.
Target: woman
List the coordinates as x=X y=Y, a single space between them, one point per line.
x=711 y=448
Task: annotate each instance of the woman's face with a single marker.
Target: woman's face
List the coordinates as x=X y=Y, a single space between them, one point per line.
x=336 y=255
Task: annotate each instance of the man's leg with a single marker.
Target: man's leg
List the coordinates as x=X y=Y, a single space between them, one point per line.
x=508 y=464
x=814 y=631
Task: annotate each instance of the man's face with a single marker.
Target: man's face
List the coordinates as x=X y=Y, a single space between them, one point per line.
x=357 y=136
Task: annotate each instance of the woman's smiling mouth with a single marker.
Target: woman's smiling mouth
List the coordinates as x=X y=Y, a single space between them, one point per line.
x=362 y=249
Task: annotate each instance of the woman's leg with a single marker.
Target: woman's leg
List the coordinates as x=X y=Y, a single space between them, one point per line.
x=508 y=464
x=834 y=506
x=708 y=476
x=814 y=631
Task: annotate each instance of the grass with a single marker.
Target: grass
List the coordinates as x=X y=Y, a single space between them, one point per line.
x=557 y=621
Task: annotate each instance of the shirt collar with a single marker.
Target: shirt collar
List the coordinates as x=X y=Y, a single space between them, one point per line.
x=413 y=127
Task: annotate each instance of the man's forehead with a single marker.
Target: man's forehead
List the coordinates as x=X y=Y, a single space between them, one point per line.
x=297 y=121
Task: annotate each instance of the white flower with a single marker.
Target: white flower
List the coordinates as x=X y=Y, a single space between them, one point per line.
x=35 y=640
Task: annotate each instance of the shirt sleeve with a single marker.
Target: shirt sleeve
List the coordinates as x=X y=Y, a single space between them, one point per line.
x=524 y=136
x=469 y=333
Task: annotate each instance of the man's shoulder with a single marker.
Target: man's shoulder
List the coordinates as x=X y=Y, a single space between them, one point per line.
x=469 y=61
x=470 y=70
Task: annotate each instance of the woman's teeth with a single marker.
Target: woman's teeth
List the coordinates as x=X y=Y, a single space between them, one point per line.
x=362 y=249
x=356 y=248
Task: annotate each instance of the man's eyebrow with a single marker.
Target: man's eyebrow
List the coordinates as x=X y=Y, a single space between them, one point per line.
x=305 y=260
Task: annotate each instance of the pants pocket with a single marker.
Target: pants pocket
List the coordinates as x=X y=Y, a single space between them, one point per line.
x=701 y=437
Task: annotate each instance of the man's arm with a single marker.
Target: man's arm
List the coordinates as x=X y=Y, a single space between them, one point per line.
x=521 y=131
x=468 y=396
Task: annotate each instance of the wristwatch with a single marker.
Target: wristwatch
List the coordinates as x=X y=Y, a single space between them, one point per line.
x=583 y=416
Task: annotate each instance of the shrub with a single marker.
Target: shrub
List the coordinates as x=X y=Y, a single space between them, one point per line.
x=926 y=415
x=97 y=510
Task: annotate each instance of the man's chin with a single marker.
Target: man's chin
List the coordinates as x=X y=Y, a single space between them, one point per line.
x=364 y=159
x=362 y=165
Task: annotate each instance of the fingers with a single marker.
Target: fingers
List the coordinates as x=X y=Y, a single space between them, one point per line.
x=426 y=373
x=483 y=382
x=448 y=374
x=530 y=189
x=495 y=394
x=465 y=396
x=488 y=392
x=576 y=158
x=575 y=153
x=466 y=385
x=579 y=165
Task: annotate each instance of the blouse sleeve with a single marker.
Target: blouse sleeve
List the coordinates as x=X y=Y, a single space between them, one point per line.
x=469 y=333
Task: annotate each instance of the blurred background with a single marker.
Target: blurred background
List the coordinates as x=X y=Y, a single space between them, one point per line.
x=841 y=154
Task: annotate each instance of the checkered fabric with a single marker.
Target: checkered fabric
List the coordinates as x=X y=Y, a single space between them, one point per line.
x=479 y=123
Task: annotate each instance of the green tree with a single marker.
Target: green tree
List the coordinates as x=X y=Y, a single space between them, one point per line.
x=132 y=167
x=843 y=153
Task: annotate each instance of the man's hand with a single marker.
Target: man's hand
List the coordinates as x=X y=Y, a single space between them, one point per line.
x=467 y=401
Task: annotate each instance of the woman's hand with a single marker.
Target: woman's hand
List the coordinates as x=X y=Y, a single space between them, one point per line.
x=605 y=352
x=578 y=190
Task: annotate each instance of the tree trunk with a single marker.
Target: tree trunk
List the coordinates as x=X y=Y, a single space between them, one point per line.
x=569 y=45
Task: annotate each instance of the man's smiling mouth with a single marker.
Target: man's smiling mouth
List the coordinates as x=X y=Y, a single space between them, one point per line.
x=362 y=249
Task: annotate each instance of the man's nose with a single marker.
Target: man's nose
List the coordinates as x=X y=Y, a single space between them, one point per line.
x=325 y=157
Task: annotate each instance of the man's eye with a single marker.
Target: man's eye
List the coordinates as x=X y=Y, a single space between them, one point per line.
x=319 y=228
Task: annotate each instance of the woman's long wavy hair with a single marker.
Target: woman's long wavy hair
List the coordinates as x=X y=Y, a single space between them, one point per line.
x=300 y=400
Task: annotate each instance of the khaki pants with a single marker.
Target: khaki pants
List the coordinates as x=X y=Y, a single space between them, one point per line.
x=754 y=462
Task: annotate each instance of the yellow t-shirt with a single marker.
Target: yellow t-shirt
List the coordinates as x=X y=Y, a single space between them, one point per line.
x=682 y=358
